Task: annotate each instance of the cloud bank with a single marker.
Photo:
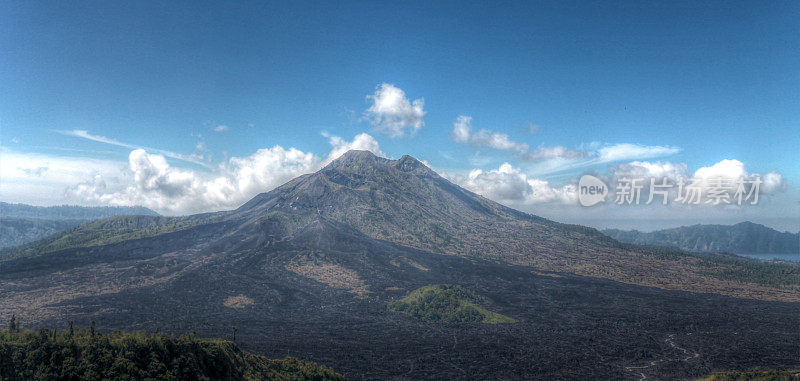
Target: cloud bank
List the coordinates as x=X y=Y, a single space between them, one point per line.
x=514 y=187
x=728 y=171
x=149 y=180
x=510 y=186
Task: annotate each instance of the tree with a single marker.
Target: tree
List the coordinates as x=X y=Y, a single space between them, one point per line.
x=12 y=324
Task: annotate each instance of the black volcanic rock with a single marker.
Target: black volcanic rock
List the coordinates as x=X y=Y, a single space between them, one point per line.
x=741 y=238
x=320 y=258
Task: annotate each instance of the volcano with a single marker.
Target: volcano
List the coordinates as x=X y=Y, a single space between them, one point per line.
x=310 y=267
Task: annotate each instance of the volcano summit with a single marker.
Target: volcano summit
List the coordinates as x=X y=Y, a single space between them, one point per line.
x=311 y=267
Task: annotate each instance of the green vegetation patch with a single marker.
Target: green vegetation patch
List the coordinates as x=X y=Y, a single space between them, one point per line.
x=772 y=375
x=84 y=354
x=447 y=303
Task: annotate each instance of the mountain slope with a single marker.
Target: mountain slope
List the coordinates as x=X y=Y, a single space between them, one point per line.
x=404 y=202
x=742 y=238
x=312 y=266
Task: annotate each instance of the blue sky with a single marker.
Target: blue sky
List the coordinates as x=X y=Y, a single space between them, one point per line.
x=704 y=81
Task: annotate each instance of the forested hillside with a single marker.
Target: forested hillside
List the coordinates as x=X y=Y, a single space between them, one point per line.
x=21 y=223
x=86 y=354
x=69 y=212
x=19 y=231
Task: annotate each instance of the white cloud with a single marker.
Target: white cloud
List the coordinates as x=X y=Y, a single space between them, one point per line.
x=221 y=128
x=150 y=181
x=555 y=158
x=362 y=141
x=496 y=140
x=705 y=178
x=513 y=187
x=508 y=185
x=773 y=182
x=732 y=170
x=462 y=129
x=625 y=151
x=392 y=113
x=241 y=178
x=462 y=132
x=41 y=179
x=644 y=169
x=147 y=179
x=726 y=168
x=543 y=192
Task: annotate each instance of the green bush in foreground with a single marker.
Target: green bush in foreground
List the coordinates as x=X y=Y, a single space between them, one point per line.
x=84 y=354
x=447 y=303
x=773 y=375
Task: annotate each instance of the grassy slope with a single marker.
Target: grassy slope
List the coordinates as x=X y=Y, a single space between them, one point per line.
x=447 y=303
x=84 y=355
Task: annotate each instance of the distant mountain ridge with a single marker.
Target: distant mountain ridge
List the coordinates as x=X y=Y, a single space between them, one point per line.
x=22 y=223
x=741 y=238
x=69 y=212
